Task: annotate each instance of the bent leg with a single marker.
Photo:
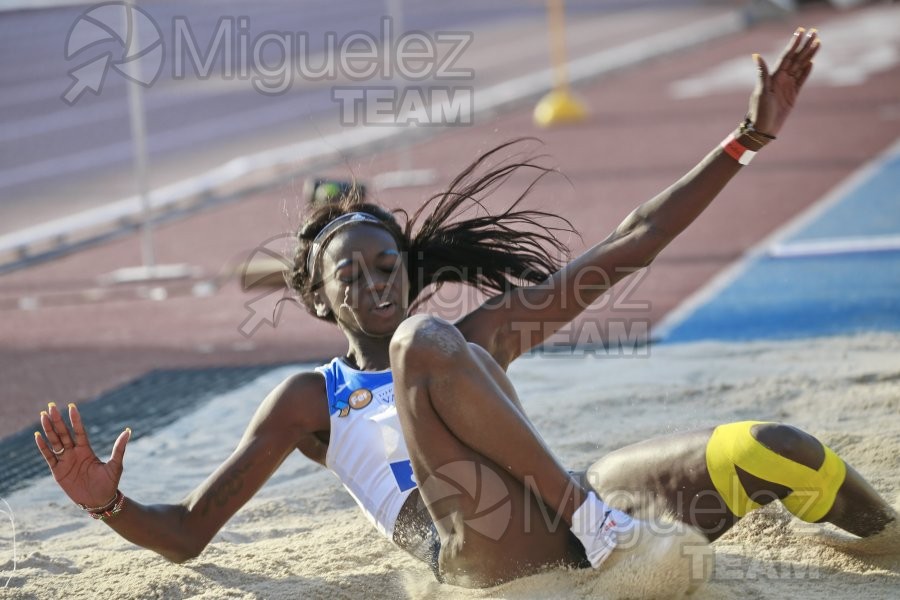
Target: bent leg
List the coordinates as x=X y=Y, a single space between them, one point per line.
x=857 y=507
x=664 y=474
x=472 y=451
x=673 y=471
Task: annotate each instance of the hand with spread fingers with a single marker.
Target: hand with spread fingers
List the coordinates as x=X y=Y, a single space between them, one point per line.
x=776 y=93
x=87 y=480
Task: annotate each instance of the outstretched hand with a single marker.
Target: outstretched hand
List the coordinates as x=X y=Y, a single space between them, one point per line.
x=776 y=93
x=82 y=476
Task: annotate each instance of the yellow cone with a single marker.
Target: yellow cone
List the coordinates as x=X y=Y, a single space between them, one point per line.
x=557 y=107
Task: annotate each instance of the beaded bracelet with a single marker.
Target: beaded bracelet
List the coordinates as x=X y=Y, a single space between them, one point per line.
x=749 y=130
x=106 y=505
x=113 y=507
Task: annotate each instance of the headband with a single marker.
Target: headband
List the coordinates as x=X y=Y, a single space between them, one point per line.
x=342 y=221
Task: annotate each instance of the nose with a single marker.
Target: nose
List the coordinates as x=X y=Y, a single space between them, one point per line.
x=379 y=285
x=377 y=280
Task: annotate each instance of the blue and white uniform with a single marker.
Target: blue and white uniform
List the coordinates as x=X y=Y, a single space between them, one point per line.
x=366 y=449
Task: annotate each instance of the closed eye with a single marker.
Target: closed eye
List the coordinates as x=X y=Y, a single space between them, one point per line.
x=348 y=275
x=351 y=272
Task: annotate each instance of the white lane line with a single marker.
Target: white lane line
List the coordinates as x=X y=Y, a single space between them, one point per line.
x=6 y=5
x=835 y=246
x=490 y=98
x=163 y=196
x=727 y=276
x=174 y=138
x=613 y=59
x=856 y=48
x=68 y=117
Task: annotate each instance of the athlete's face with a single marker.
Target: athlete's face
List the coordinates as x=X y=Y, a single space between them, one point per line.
x=365 y=281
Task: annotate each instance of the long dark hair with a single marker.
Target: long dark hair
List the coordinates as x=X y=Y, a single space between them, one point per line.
x=491 y=252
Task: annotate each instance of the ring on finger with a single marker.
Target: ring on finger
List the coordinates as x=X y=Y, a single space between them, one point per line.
x=58 y=452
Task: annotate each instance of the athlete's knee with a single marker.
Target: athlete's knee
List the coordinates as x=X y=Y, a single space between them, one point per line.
x=779 y=457
x=791 y=443
x=423 y=340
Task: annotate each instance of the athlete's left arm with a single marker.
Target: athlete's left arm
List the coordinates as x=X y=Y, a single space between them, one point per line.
x=512 y=323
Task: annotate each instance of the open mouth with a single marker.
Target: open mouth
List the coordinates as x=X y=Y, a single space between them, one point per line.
x=384 y=306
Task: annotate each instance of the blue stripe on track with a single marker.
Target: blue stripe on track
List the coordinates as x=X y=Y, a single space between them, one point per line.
x=812 y=296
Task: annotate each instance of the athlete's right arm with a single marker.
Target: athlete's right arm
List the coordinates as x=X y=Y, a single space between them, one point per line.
x=181 y=531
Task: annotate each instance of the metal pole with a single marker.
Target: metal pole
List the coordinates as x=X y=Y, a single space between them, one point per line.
x=149 y=270
x=405 y=175
x=557 y=21
x=395 y=12
x=139 y=139
x=560 y=105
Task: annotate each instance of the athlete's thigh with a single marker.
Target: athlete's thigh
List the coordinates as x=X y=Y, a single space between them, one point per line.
x=668 y=473
x=492 y=527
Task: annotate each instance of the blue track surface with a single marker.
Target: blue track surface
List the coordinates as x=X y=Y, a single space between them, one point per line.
x=792 y=297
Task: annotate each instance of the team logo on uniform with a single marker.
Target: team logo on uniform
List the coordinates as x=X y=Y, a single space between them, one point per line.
x=360 y=398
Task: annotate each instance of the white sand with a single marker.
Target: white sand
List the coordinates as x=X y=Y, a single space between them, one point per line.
x=302 y=536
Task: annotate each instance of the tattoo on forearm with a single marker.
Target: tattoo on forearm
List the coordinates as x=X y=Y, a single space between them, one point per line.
x=228 y=488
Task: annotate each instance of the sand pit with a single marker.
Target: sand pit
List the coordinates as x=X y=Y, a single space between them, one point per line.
x=302 y=536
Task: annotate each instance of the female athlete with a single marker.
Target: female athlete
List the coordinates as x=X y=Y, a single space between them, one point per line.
x=417 y=402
